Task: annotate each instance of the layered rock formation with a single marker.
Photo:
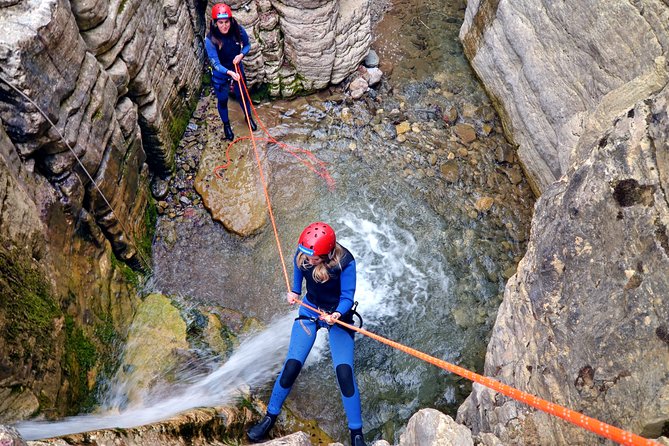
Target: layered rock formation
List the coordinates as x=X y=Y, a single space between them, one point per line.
x=116 y=81
x=87 y=90
x=304 y=46
x=582 y=88
x=559 y=70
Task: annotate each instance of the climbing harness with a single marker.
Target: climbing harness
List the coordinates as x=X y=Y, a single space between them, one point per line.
x=350 y=315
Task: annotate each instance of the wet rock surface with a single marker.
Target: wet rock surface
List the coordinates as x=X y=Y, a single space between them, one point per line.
x=228 y=178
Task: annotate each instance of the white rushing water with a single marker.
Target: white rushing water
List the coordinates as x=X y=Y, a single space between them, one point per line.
x=255 y=361
x=384 y=255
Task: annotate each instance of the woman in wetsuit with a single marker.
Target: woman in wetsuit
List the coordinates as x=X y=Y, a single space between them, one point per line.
x=329 y=272
x=227 y=43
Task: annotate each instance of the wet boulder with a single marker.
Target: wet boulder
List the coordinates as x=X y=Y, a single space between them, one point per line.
x=229 y=182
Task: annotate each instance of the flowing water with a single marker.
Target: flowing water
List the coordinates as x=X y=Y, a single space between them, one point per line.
x=431 y=267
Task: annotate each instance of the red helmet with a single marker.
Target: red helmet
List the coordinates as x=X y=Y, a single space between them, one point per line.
x=221 y=11
x=317 y=239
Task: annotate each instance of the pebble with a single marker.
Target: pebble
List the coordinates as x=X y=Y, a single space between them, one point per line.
x=402 y=127
x=484 y=204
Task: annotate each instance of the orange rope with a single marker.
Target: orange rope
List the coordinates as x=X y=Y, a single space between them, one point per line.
x=244 y=95
x=593 y=425
x=584 y=421
x=310 y=160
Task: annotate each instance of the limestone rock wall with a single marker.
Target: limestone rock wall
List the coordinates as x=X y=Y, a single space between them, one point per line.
x=116 y=79
x=304 y=45
x=582 y=89
x=584 y=321
x=91 y=95
x=557 y=70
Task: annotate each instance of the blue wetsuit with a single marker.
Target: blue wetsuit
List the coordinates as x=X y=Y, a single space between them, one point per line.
x=221 y=63
x=334 y=295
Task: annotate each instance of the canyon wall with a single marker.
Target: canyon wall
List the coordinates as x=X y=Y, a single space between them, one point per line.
x=582 y=89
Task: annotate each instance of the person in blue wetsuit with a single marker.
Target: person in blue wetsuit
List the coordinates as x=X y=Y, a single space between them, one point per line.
x=329 y=272
x=227 y=43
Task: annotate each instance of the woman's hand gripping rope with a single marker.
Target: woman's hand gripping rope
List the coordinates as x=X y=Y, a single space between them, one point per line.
x=329 y=318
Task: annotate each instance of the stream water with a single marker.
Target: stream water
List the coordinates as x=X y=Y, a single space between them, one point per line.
x=431 y=266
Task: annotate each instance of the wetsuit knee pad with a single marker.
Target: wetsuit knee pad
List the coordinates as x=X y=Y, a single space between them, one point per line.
x=290 y=372
x=345 y=378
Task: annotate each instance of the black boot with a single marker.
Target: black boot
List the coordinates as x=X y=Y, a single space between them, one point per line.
x=253 y=125
x=228 y=131
x=258 y=432
x=356 y=438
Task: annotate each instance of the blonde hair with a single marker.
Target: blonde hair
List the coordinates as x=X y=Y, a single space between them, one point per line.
x=320 y=271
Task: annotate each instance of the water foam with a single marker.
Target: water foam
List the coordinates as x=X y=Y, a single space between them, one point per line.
x=255 y=362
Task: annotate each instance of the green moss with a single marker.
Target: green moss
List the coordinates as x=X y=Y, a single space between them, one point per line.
x=206 y=79
x=145 y=244
x=182 y=108
x=129 y=275
x=105 y=332
x=81 y=357
x=32 y=338
x=178 y=127
x=26 y=301
x=296 y=86
x=121 y=6
x=260 y=93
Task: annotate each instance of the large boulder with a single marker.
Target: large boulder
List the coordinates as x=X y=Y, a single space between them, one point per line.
x=229 y=181
x=429 y=427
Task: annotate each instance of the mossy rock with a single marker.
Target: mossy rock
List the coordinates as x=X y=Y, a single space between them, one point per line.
x=156 y=337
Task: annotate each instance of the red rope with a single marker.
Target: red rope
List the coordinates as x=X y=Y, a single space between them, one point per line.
x=304 y=156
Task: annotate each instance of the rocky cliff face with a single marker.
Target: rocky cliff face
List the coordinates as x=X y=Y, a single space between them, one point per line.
x=559 y=70
x=95 y=87
x=303 y=45
x=584 y=320
x=116 y=80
